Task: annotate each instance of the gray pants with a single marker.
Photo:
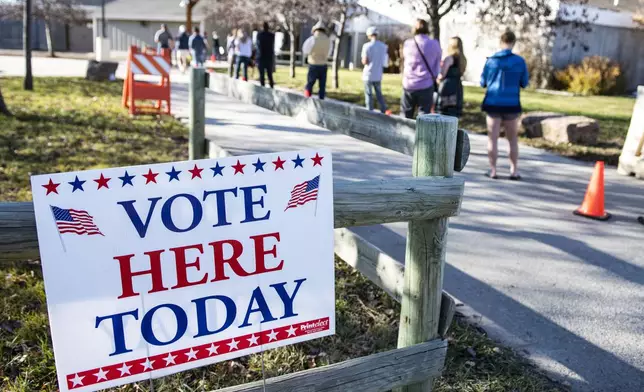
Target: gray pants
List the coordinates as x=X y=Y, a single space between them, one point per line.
x=421 y=99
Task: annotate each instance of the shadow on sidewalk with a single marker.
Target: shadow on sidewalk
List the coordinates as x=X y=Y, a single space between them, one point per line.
x=595 y=365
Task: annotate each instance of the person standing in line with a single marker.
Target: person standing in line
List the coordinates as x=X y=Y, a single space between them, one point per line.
x=184 y=48
x=163 y=38
x=243 y=52
x=265 y=52
x=198 y=47
x=450 y=90
x=422 y=58
x=504 y=74
x=316 y=48
x=230 y=51
x=375 y=59
x=215 y=45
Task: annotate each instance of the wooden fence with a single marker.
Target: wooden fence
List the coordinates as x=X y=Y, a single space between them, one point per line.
x=425 y=200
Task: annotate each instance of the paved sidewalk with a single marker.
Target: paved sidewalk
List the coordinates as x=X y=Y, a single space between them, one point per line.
x=566 y=291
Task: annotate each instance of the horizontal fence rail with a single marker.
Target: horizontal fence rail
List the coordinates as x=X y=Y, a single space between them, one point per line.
x=376 y=373
x=384 y=271
x=395 y=200
x=355 y=204
x=391 y=132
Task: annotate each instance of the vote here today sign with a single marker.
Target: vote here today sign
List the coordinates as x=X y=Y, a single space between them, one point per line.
x=151 y=270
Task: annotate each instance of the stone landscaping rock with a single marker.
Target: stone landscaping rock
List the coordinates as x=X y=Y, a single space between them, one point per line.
x=571 y=129
x=531 y=123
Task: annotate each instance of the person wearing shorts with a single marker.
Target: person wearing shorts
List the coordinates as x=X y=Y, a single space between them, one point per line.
x=183 y=49
x=504 y=75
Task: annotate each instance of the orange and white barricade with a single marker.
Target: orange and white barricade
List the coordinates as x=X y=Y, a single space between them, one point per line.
x=147 y=78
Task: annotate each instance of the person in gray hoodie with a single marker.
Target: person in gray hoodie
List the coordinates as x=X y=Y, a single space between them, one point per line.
x=375 y=59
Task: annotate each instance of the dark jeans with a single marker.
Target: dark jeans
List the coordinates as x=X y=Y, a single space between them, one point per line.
x=242 y=61
x=421 y=99
x=198 y=58
x=265 y=67
x=369 y=88
x=316 y=73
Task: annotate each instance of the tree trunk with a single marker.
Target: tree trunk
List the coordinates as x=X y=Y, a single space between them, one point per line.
x=435 y=30
x=336 y=51
x=3 y=107
x=435 y=20
x=50 y=41
x=291 y=36
x=28 y=83
x=189 y=16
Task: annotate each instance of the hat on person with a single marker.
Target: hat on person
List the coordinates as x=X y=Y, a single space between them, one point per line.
x=318 y=26
x=373 y=30
x=182 y=29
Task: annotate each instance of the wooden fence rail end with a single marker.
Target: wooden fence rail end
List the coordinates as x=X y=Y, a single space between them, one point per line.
x=374 y=373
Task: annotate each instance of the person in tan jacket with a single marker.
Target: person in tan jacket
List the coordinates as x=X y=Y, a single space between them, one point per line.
x=316 y=48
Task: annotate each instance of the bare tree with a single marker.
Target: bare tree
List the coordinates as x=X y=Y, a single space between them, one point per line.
x=436 y=10
x=3 y=107
x=342 y=11
x=28 y=83
x=189 y=5
x=537 y=25
x=238 y=13
x=49 y=11
x=292 y=14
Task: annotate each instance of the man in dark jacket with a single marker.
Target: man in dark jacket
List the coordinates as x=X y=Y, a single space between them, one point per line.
x=265 y=54
x=183 y=49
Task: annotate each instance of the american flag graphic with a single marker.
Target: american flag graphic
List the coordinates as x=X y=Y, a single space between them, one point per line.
x=74 y=221
x=304 y=193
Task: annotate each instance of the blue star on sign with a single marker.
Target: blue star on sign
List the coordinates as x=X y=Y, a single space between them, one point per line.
x=259 y=165
x=174 y=174
x=77 y=184
x=217 y=170
x=127 y=179
x=298 y=162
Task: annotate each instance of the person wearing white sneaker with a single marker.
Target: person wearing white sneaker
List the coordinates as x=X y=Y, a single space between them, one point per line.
x=374 y=59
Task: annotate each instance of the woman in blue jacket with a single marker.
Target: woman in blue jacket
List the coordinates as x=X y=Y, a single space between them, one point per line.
x=504 y=74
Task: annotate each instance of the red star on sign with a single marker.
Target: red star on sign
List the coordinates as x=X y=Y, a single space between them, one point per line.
x=279 y=163
x=239 y=168
x=150 y=177
x=102 y=182
x=51 y=187
x=317 y=159
x=196 y=172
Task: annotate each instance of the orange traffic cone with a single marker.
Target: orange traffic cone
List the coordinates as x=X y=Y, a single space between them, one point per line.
x=593 y=205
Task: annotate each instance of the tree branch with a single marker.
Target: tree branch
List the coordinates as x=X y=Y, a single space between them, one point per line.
x=450 y=7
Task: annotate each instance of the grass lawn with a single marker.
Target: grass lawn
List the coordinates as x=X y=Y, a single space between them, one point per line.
x=70 y=124
x=613 y=113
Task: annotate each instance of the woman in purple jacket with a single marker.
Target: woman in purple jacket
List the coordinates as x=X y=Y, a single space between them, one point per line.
x=422 y=60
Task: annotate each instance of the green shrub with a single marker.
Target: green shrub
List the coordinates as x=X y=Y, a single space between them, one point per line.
x=595 y=75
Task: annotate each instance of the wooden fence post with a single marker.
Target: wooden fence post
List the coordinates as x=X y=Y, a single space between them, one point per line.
x=197 y=102
x=434 y=153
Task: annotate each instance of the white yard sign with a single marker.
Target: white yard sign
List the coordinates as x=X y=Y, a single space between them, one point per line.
x=151 y=270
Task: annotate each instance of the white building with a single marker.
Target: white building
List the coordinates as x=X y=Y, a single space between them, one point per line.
x=134 y=22
x=613 y=34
